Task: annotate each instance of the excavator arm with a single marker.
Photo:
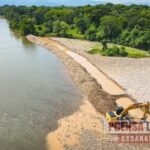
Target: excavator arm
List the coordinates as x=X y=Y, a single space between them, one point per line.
x=144 y=106
x=122 y=113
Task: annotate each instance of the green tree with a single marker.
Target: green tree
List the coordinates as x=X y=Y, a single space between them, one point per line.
x=80 y=24
x=27 y=26
x=91 y=33
x=39 y=15
x=60 y=28
x=143 y=41
x=111 y=27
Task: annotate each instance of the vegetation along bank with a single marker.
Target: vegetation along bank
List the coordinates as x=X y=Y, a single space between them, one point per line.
x=125 y=25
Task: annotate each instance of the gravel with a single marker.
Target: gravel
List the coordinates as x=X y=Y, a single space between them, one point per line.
x=132 y=74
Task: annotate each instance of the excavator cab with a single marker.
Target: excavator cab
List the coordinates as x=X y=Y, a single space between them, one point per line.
x=113 y=116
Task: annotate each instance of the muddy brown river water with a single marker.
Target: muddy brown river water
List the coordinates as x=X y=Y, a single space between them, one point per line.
x=35 y=92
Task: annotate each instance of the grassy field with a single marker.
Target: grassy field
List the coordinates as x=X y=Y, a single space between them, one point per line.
x=132 y=52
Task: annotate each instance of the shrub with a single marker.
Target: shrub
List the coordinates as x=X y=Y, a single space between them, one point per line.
x=104 y=44
x=95 y=51
x=115 y=51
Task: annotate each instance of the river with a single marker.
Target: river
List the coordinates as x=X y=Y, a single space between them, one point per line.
x=35 y=92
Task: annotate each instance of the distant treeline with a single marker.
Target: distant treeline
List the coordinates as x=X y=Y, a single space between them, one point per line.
x=126 y=25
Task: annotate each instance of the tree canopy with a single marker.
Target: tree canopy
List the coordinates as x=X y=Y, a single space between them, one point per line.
x=126 y=25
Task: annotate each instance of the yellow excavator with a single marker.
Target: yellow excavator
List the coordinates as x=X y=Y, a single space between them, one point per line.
x=121 y=114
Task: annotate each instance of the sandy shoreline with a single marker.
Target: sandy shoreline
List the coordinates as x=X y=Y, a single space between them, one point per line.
x=87 y=118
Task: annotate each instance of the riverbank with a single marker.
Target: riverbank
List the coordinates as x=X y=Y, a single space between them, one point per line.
x=101 y=99
x=86 y=119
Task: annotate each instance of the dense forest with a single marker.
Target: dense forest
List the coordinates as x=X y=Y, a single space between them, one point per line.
x=125 y=25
